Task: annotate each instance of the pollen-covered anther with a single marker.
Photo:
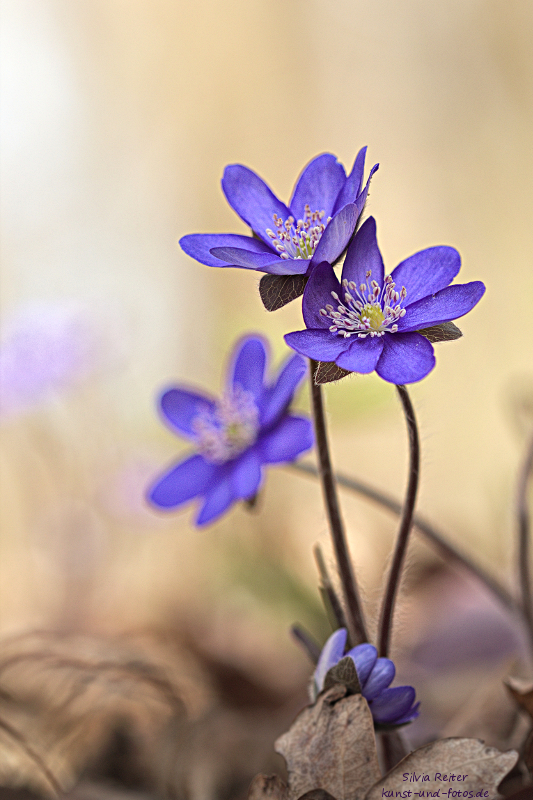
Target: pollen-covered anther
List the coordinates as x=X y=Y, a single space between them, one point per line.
x=230 y=428
x=368 y=310
x=298 y=240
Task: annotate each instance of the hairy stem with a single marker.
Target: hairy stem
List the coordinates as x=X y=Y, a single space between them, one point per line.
x=354 y=615
x=387 y=608
x=434 y=536
x=523 y=540
x=333 y=606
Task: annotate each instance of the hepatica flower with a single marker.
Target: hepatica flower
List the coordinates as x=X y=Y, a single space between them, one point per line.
x=370 y=322
x=316 y=226
x=248 y=427
x=394 y=706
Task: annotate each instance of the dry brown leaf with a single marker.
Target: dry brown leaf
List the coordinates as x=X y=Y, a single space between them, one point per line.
x=522 y=692
x=268 y=787
x=332 y=746
x=481 y=769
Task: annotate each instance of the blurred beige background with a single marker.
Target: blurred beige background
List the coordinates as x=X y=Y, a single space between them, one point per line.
x=118 y=119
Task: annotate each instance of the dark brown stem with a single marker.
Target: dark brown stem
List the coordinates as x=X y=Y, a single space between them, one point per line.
x=437 y=539
x=354 y=615
x=398 y=558
x=523 y=540
x=331 y=602
x=311 y=647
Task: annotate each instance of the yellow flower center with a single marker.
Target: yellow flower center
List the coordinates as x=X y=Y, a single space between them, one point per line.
x=373 y=313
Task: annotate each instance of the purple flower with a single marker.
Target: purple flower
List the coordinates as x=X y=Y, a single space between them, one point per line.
x=234 y=436
x=388 y=706
x=372 y=322
x=316 y=226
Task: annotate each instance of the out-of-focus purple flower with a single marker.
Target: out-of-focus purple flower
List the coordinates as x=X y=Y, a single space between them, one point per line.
x=316 y=226
x=371 y=322
x=45 y=350
x=388 y=706
x=235 y=436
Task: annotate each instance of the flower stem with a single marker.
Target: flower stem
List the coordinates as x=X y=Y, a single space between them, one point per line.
x=355 y=620
x=436 y=537
x=523 y=540
x=387 y=609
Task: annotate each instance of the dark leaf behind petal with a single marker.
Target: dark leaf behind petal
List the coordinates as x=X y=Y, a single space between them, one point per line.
x=445 y=332
x=278 y=290
x=328 y=371
x=345 y=673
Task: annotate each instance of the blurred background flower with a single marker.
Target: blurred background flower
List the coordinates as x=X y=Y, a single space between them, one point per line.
x=118 y=119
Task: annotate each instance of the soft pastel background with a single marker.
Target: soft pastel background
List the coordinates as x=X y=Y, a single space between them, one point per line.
x=118 y=119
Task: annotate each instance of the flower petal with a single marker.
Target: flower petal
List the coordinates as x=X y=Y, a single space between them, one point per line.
x=320 y=345
x=276 y=398
x=427 y=272
x=217 y=499
x=248 y=368
x=290 y=437
x=331 y=654
x=362 y=355
x=448 y=304
x=381 y=676
x=183 y=482
x=364 y=657
x=199 y=246
x=238 y=257
x=410 y=714
x=392 y=704
x=317 y=294
x=361 y=200
x=406 y=358
x=319 y=186
x=364 y=255
x=252 y=199
x=245 y=474
x=338 y=233
x=180 y=407
x=353 y=183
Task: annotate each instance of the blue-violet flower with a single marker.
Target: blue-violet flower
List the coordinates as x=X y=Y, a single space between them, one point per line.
x=370 y=322
x=388 y=706
x=235 y=436
x=316 y=226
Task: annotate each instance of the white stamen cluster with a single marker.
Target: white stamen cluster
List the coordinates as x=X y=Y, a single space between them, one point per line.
x=300 y=240
x=229 y=429
x=367 y=310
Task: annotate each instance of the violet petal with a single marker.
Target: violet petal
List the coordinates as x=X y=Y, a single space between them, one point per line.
x=406 y=358
x=427 y=272
x=364 y=255
x=332 y=652
x=338 y=233
x=277 y=397
x=180 y=407
x=248 y=369
x=183 y=482
x=362 y=354
x=381 y=676
x=319 y=185
x=199 y=246
x=320 y=345
x=364 y=657
x=317 y=294
x=450 y=303
x=287 y=440
x=392 y=704
x=252 y=199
